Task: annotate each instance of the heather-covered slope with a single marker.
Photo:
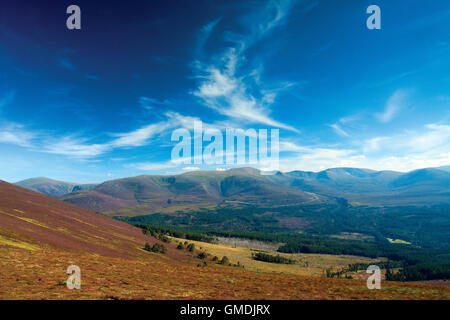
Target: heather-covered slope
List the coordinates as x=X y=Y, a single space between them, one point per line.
x=34 y=221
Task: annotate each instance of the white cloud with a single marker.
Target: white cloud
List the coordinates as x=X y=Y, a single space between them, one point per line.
x=428 y=146
x=149 y=103
x=373 y=144
x=154 y=166
x=430 y=139
x=178 y=119
x=221 y=87
x=349 y=119
x=394 y=105
x=146 y=103
x=69 y=146
x=291 y=147
x=339 y=130
x=435 y=136
x=75 y=146
x=15 y=134
x=140 y=136
x=191 y=168
x=345 y=126
x=217 y=85
x=205 y=32
x=317 y=159
x=228 y=95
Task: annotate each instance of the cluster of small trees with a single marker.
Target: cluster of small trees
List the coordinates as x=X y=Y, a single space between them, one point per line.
x=202 y=255
x=420 y=272
x=338 y=274
x=157 y=235
x=157 y=248
x=355 y=267
x=153 y=231
x=273 y=259
x=225 y=261
x=186 y=245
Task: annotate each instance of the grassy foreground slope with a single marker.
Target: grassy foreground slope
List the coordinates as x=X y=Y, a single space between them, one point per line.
x=41 y=236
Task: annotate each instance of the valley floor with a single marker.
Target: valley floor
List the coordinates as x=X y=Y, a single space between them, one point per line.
x=306 y=264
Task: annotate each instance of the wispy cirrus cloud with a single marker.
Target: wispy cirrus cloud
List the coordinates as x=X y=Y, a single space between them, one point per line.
x=148 y=103
x=140 y=136
x=394 y=105
x=65 y=63
x=82 y=147
x=345 y=125
x=12 y=133
x=339 y=130
x=234 y=93
x=74 y=146
x=205 y=33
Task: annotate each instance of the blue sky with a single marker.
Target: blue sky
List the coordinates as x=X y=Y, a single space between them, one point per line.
x=102 y=102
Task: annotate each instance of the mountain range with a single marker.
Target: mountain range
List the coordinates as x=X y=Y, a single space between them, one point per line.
x=53 y=188
x=246 y=186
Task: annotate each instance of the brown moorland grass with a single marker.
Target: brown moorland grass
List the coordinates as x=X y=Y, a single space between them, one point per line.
x=41 y=236
x=29 y=274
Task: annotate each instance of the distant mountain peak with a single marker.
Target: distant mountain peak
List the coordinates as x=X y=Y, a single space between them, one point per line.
x=50 y=187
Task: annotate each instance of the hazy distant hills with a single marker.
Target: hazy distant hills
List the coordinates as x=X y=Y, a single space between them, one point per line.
x=445 y=168
x=246 y=186
x=53 y=188
x=368 y=187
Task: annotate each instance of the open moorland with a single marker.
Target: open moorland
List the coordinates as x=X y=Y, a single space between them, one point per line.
x=41 y=236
